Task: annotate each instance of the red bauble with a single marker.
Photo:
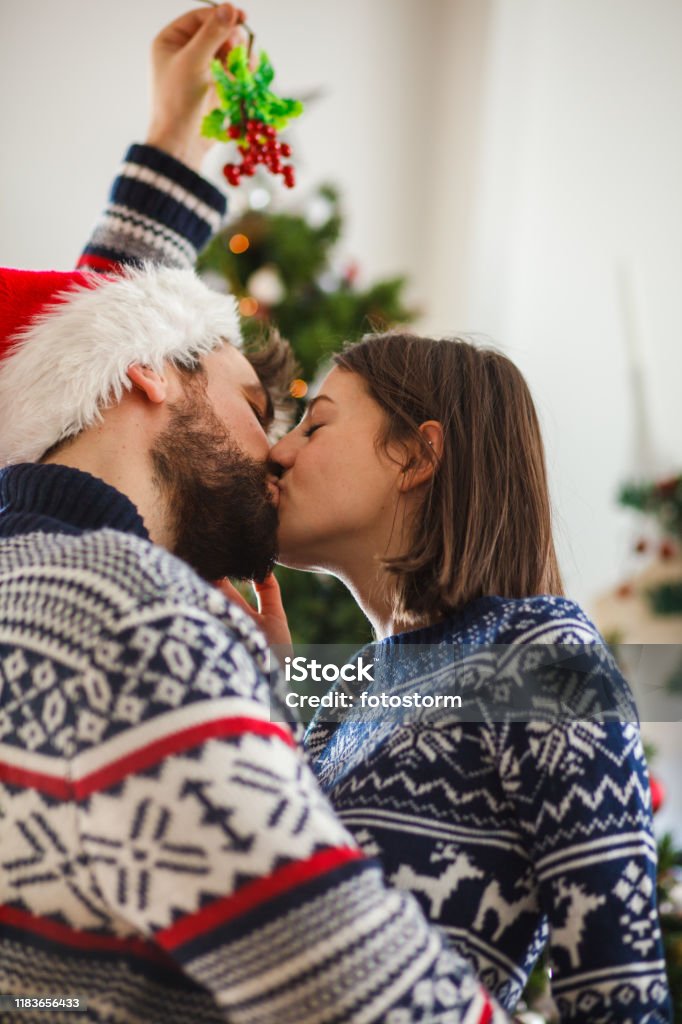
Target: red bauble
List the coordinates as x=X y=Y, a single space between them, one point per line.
x=666 y=488
x=657 y=792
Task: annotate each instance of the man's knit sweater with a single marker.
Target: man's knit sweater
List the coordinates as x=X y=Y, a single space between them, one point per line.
x=159 y=211
x=165 y=852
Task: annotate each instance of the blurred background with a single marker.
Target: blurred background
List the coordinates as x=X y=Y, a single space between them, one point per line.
x=517 y=162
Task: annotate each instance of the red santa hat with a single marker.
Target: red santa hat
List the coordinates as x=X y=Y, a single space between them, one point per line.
x=67 y=340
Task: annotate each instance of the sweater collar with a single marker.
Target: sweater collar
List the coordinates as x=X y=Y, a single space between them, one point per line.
x=447 y=630
x=58 y=499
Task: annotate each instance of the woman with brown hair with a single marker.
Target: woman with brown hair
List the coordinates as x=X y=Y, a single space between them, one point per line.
x=417 y=476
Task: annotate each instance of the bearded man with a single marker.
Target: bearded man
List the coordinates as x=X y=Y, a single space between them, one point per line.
x=165 y=851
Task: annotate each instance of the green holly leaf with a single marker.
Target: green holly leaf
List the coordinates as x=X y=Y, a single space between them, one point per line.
x=284 y=110
x=265 y=72
x=238 y=61
x=224 y=84
x=213 y=126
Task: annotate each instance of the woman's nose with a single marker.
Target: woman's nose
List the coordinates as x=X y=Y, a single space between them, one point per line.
x=284 y=452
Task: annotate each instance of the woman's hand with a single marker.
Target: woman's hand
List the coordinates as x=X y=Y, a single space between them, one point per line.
x=182 y=85
x=270 y=616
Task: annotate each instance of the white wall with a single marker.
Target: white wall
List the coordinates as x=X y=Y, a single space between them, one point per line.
x=578 y=199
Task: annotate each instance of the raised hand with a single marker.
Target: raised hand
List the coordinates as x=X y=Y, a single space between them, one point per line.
x=182 y=86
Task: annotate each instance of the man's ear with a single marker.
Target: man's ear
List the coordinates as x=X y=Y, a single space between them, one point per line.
x=154 y=387
x=421 y=465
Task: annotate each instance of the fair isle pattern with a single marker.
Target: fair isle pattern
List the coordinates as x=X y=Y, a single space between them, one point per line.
x=165 y=851
x=159 y=211
x=512 y=834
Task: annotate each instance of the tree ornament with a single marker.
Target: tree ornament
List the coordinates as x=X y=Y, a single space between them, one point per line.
x=266 y=285
x=251 y=115
x=657 y=793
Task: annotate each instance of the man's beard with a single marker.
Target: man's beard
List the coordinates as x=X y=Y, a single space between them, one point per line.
x=223 y=520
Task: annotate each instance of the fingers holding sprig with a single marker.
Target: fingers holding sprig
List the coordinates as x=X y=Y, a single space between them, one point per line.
x=181 y=58
x=204 y=30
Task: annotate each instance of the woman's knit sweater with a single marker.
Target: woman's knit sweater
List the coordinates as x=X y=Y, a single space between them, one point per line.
x=514 y=829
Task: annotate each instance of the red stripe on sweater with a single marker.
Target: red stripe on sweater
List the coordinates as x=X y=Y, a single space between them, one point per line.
x=53 y=785
x=253 y=894
x=147 y=756
x=98 y=263
x=487 y=1014
x=140 y=760
x=76 y=939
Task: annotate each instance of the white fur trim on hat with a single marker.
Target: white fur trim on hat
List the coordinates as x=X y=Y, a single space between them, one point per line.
x=71 y=361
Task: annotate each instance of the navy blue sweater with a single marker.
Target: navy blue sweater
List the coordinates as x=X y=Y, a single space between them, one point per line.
x=516 y=829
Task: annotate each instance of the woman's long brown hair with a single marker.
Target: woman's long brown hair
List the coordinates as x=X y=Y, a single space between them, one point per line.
x=485 y=527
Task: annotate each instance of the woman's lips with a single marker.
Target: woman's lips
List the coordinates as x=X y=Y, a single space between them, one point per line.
x=274 y=490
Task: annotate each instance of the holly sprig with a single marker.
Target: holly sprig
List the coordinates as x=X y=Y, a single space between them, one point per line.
x=250 y=114
x=245 y=95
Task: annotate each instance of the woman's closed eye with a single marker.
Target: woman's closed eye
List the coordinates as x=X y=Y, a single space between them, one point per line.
x=311 y=428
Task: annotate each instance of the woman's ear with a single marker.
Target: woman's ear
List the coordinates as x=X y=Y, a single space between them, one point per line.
x=149 y=382
x=422 y=464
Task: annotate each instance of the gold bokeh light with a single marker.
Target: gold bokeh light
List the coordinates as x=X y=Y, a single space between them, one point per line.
x=239 y=244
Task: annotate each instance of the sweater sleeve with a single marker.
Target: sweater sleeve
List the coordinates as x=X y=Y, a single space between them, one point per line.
x=159 y=211
x=206 y=834
x=574 y=770
x=581 y=794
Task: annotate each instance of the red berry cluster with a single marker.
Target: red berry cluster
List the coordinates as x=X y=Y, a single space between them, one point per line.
x=259 y=145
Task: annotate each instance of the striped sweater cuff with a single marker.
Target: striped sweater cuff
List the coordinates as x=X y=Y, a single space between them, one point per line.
x=159 y=211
